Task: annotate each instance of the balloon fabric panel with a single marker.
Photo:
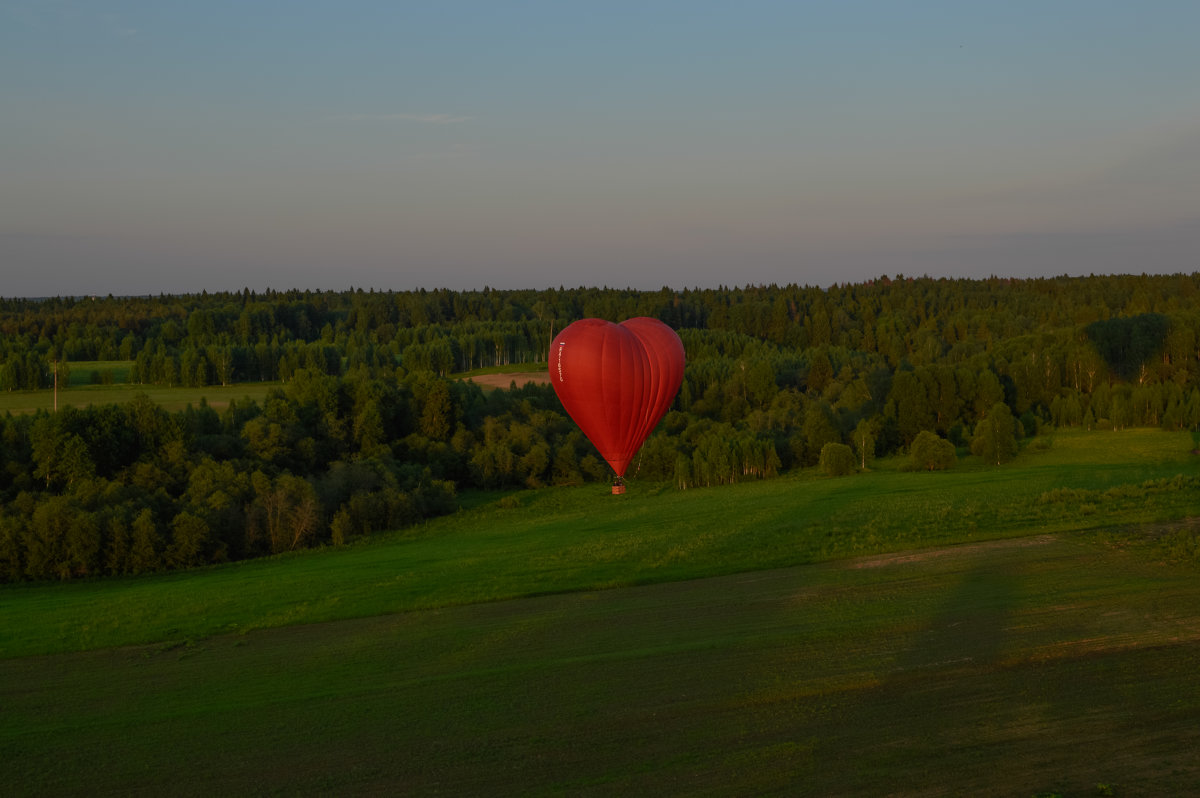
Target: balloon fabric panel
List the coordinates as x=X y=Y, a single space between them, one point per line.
x=666 y=361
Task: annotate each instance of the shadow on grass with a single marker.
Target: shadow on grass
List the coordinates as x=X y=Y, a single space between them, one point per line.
x=898 y=734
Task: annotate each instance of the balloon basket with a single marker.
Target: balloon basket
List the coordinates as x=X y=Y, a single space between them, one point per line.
x=618 y=489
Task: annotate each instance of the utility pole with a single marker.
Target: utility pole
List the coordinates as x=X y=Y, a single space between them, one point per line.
x=56 y=385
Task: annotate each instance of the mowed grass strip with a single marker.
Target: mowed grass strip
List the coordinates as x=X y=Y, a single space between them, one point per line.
x=1010 y=667
x=578 y=539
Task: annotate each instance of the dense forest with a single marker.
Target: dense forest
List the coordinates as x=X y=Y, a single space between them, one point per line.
x=368 y=428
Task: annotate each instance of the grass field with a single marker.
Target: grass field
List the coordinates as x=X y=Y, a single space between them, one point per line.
x=509 y=368
x=171 y=399
x=97 y=372
x=81 y=391
x=974 y=632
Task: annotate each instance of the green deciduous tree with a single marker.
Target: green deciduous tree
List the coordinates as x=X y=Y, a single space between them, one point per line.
x=60 y=456
x=146 y=545
x=909 y=404
x=931 y=452
x=995 y=438
x=864 y=441
x=285 y=514
x=819 y=429
x=437 y=412
x=837 y=459
x=189 y=538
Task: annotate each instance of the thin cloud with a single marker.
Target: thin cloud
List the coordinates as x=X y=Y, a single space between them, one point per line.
x=425 y=119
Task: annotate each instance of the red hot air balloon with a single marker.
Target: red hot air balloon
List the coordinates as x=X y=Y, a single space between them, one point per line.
x=617 y=381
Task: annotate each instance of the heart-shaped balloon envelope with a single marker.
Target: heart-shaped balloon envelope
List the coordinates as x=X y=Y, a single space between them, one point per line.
x=617 y=381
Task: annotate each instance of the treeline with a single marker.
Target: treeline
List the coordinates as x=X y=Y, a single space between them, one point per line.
x=366 y=432
x=126 y=489
x=225 y=338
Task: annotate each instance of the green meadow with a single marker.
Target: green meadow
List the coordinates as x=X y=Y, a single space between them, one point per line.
x=1031 y=629
x=99 y=372
x=96 y=382
x=171 y=399
x=510 y=368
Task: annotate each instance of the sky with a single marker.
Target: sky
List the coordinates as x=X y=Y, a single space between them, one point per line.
x=174 y=147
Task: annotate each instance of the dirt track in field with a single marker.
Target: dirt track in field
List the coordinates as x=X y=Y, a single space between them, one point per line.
x=504 y=380
x=971 y=549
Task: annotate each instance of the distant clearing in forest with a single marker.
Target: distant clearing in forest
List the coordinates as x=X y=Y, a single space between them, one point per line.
x=507 y=378
x=170 y=399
